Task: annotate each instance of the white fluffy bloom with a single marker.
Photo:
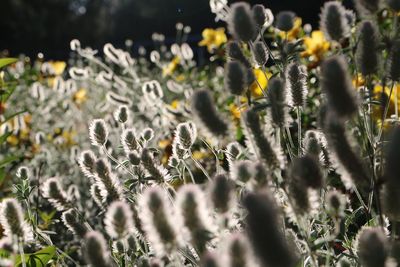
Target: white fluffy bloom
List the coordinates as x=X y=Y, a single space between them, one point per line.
x=12 y=220
x=119 y=220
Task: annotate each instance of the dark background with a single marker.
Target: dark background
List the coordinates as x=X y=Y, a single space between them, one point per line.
x=47 y=26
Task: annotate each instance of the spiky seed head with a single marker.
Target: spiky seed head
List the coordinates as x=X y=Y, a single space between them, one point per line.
x=53 y=191
x=98 y=132
x=296 y=84
x=264 y=231
x=372 y=247
x=311 y=143
x=157 y=216
x=333 y=21
x=148 y=134
x=221 y=190
x=394 y=4
x=335 y=203
x=278 y=112
x=260 y=173
x=260 y=53
x=173 y=161
x=87 y=161
x=238 y=251
x=12 y=220
x=233 y=151
x=394 y=61
x=157 y=172
x=235 y=78
x=95 y=250
x=71 y=220
x=234 y=52
x=259 y=15
x=96 y=194
x=118 y=220
x=367 y=48
x=186 y=134
x=122 y=114
x=23 y=173
x=129 y=141
x=285 y=20
x=134 y=158
x=241 y=23
x=242 y=171
x=204 y=109
x=298 y=192
x=307 y=170
x=210 y=260
x=336 y=85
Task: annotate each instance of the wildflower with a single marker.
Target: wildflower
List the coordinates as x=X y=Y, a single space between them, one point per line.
x=96 y=251
x=382 y=95
x=296 y=84
x=157 y=221
x=186 y=134
x=55 y=194
x=260 y=54
x=285 y=20
x=234 y=52
x=96 y=194
x=204 y=109
x=315 y=46
x=241 y=22
x=394 y=4
x=12 y=220
x=259 y=15
x=372 y=247
x=192 y=212
x=261 y=82
x=235 y=78
x=277 y=112
x=122 y=114
x=222 y=195
x=157 y=173
x=87 y=162
x=368 y=44
x=129 y=141
x=213 y=39
x=57 y=67
x=333 y=21
x=23 y=173
x=80 y=96
x=106 y=180
x=336 y=84
x=394 y=61
x=118 y=220
x=98 y=132
x=171 y=67
x=72 y=222
x=258 y=143
x=264 y=231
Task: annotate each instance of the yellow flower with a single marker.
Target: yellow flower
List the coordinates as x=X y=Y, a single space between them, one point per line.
x=175 y=104
x=80 y=96
x=213 y=38
x=358 y=81
x=68 y=137
x=13 y=140
x=261 y=81
x=180 y=78
x=169 y=69
x=294 y=32
x=235 y=111
x=315 y=46
x=200 y=155
x=58 y=67
x=377 y=95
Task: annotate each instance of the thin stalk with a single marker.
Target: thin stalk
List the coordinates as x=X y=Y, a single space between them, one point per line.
x=299 y=131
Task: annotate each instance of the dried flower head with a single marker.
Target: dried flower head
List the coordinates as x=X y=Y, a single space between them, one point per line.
x=394 y=61
x=278 y=111
x=234 y=52
x=259 y=15
x=122 y=114
x=241 y=22
x=186 y=134
x=129 y=141
x=107 y=181
x=335 y=203
x=53 y=191
x=238 y=252
x=235 y=78
x=23 y=173
x=72 y=221
x=87 y=161
x=98 y=132
x=157 y=172
x=96 y=251
x=285 y=20
x=221 y=193
x=333 y=21
x=260 y=53
x=372 y=247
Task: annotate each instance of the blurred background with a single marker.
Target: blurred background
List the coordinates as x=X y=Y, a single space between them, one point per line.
x=47 y=26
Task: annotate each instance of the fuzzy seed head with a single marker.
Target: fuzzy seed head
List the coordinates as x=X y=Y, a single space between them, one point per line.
x=336 y=85
x=129 y=141
x=147 y=134
x=241 y=23
x=234 y=52
x=204 y=109
x=394 y=61
x=98 y=132
x=235 y=78
x=53 y=191
x=372 y=247
x=222 y=195
x=122 y=114
x=87 y=161
x=285 y=20
x=242 y=171
x=368 y=6
x=333 y=21
x=260 y=53
x=238 y=252
x=72 y=222
x=23 y=173
x=306 y=169
x=335 y=203
x=278 y=112
x=118 y=220
x=368 y=44
x=12 y=220
x=96 y=250
x=296 y=84
x=259 y=15
x=232 y=152
x=186 y=134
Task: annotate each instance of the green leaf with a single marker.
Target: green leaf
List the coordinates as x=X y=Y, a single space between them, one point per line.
x=7 y=61
x=8 y=159
x=39 y=258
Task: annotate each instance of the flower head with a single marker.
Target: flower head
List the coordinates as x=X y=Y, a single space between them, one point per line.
x=213 y=38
